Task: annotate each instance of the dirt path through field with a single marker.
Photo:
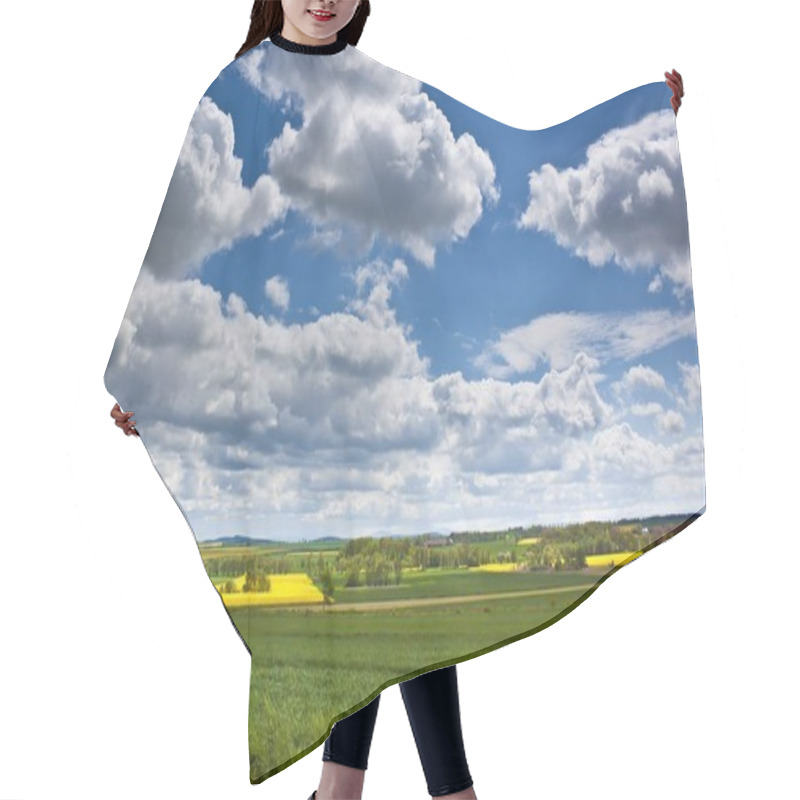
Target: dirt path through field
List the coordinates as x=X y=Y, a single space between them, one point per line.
x=389 y=605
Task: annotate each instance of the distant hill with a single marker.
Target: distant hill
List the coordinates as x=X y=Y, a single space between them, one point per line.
x=230 y=541
x=669 y=519
x=234 y=541
x=322 y=539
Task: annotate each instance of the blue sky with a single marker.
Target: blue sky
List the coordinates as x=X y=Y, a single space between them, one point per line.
x=499 y=278
x=366 y=277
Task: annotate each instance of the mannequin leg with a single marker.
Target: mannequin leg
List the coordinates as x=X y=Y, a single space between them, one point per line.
x=431 y=701
x=346 y=754
x=432 y=705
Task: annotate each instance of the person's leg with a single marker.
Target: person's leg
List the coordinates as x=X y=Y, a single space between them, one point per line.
x=346 y=754
x=433 y=710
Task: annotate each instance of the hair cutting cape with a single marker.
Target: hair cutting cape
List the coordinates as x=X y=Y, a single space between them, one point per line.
x=418 y=380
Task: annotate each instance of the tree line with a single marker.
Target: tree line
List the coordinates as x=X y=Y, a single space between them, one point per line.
x=380 y=561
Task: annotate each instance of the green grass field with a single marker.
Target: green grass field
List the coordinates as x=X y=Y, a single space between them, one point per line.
x=331 y=660
x=315 y=662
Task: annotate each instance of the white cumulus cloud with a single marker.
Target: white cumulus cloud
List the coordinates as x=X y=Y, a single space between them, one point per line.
x=671 y=422
x=646 y=409
x=625 y=203
x=644 y=377
x=207 y=207
x=373 y=153
x=277 y=291
x=690 y=379
x=338 y=424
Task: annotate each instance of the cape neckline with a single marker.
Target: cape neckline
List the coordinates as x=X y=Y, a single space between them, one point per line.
x=311 y=49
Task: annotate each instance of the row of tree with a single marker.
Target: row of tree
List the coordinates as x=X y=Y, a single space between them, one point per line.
x=370 y=561
x=254 y=581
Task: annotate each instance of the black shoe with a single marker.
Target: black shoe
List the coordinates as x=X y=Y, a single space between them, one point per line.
x=313 y=795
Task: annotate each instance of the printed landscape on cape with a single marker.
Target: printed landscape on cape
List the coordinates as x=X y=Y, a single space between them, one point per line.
x=418 y=380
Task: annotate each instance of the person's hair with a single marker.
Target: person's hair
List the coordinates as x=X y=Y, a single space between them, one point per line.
x=266 y=18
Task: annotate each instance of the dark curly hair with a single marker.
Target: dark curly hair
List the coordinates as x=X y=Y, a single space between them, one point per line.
x=266 y=18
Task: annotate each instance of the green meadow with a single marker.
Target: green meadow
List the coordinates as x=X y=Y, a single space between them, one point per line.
x=394 y=608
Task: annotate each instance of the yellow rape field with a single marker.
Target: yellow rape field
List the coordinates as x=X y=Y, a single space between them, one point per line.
x=610 y=559
x=529 y=540
x=294 y=588
x=507 y=567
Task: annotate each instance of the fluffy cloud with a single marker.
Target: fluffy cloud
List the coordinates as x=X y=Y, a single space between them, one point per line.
x=207 y=207
x=621 y=453
x=671 y=422
x=646 y=409
x=640 y=382
x=643 y=376
x=338 y=425
x=490 y=425
x=277 y=291
x=625 y=203
x=381 y=158
x=690 y=378
x=348 y=382
x=636 y=380
x=558 y=337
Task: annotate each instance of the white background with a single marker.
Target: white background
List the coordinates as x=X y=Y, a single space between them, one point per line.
x=121 y=675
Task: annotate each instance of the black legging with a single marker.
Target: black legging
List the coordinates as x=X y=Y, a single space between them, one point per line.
x=432 y=706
